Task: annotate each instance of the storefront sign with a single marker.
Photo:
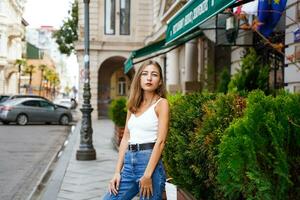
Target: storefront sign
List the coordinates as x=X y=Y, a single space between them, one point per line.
x=192 y=15
x=297 y=35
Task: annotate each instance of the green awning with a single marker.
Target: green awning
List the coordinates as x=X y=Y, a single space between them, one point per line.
x=158 y=48
x=32 y=52
x=183 y=27
x=193 y=14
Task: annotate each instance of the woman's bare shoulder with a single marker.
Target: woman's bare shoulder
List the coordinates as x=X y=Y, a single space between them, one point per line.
x=163 y=103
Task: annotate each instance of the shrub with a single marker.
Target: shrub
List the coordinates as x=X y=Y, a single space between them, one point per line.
x=117 y=111
x=224 y=81
x=259 y=155
x=252 y=75
x=218 y=114
x=185 y=111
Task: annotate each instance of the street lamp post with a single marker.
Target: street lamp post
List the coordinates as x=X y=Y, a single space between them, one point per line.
x=86 y=150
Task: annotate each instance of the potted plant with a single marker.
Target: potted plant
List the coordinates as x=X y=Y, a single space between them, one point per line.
x=117 y=113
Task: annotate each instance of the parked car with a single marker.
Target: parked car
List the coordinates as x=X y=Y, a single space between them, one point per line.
x=69 y=103
x=3 y=98
x=25 y=110
x=17 y=96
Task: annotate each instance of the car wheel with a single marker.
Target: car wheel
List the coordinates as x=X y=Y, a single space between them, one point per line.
x=64 y=120
x=5 y=122
x=22 y=119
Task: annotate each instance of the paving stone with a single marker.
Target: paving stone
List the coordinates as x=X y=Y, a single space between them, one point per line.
x=89 y=179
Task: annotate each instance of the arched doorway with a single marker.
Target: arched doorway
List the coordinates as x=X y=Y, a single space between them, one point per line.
x=112 y=83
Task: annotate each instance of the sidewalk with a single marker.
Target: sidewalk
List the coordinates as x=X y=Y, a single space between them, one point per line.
x=79 y=180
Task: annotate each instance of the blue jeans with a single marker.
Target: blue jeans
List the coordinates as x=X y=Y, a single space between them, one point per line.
x=134 y=167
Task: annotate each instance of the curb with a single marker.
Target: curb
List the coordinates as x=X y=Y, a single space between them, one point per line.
x=53 y=184
x=40 y=185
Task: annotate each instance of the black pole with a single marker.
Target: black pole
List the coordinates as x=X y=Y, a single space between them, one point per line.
x=86 y=149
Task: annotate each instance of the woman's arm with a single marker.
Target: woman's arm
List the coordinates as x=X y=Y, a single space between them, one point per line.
x=162 y=110
x=123 y=146
x=115 y=181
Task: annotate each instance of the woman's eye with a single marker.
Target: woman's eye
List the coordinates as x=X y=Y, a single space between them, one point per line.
x=155 y=75
x=144 y=74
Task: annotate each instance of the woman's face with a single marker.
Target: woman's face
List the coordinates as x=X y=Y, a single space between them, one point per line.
x=150 y=78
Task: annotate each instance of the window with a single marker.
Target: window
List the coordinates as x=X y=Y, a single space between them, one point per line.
x=298 y=11
x=31 y=103
x=122 y=86
x=110 y=19
x=124 y=17
x=46 y=105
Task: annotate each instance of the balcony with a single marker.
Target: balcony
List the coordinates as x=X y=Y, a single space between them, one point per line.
x=15 y=31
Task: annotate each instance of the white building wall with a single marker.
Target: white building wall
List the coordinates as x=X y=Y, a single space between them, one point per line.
x=292 y=70
x=11 y=34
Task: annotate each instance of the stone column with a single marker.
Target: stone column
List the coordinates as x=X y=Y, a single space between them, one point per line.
x=173 y=82
x=191 y=66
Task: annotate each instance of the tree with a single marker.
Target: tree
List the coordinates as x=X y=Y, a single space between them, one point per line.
x=29 y=70
x=224 y=81
x=42 y=67
x=20 y=63
x=52 y=79
x=252 y=75
x=67 y=34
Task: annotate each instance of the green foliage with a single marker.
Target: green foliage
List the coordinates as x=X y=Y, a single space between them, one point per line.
x=224 y=81
x=230 y=147
x=218 y=114
x=259 y=154
x=117 y=111
x=252 y=75
x=67 y=34
x=185 y=111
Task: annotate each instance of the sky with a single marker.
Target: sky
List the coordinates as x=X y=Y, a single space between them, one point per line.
x=51 y=13
x=46 y=12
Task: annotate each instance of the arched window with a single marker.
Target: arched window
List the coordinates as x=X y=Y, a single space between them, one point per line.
x=122 y=86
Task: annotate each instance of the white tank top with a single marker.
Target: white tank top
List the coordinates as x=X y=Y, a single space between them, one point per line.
x=143 y=128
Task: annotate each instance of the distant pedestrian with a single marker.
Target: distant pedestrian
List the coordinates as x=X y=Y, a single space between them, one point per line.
x=139 y=168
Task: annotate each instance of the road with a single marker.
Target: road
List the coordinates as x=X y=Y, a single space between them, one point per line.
x=25 y=152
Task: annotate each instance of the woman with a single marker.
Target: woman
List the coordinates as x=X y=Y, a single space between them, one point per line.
x=139 y=168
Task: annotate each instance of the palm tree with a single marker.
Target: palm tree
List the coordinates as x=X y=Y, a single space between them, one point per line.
x=52 y=79
x=47 y=77
x=20 y=63
x=56 y=82
x=29 y=70
x=42 y=67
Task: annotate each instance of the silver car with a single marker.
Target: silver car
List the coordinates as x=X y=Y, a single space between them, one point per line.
x=25 y=110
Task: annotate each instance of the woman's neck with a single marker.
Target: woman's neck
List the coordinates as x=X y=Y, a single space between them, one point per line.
x=148 y=97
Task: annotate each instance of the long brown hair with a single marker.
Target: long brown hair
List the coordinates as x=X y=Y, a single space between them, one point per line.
x=136 y=91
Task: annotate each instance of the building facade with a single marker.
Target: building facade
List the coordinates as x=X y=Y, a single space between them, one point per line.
x=117 y=27
x=12 y=30
x=292 y=43
x=42 y=39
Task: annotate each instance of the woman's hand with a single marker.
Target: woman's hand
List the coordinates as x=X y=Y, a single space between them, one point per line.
x=114 y=184
x=146 y=186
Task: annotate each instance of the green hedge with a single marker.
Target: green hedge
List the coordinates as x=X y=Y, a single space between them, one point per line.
x=259 y=156
x=117 y=111
x=185 y=111
x=230 y=147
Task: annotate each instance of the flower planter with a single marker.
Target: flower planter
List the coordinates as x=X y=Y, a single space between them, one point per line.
x=118 y=134
x=173 y=192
